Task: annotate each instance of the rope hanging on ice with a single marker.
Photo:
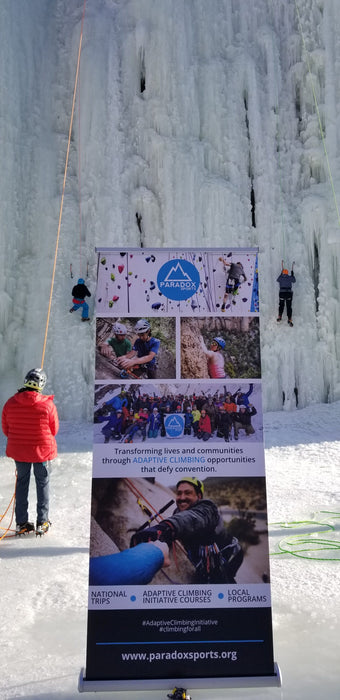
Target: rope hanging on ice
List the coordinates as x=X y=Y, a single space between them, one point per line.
x=317 y=112
x=63 y=188
x=281 y=198
x=278 y=146
x=12 y=501
x=79 y=176
x=3 y=515
x=79 y=190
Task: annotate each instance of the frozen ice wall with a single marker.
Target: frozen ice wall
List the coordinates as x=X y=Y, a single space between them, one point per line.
x=204 y=120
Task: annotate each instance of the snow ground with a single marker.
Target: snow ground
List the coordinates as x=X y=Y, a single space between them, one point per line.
x=44 y=581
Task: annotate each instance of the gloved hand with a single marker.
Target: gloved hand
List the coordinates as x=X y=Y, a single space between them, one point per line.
x=163 y=531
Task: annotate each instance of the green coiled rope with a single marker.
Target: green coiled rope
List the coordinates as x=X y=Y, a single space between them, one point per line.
x=309 y=545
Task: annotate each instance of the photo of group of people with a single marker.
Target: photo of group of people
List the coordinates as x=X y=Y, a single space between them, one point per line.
x=138 y=413
x=195 y=348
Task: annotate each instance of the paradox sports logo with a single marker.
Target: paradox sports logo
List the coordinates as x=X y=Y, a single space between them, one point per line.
x=174 y=425
x=178 y=279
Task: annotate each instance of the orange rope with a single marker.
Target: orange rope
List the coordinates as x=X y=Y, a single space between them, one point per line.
x=79 y=178
x=12 y=501
x=136 y=492
x=63 y=190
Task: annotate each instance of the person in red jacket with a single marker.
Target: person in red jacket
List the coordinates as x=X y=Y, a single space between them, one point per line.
x=30 y=423
x=204 y=426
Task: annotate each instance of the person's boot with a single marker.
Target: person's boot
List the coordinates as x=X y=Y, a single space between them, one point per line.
x=42 y=527
x=23 y=528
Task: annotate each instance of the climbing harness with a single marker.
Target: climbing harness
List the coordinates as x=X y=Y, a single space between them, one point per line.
x=214 y=562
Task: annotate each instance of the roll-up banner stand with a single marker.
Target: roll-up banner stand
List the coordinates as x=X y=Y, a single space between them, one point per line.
x=179 y=580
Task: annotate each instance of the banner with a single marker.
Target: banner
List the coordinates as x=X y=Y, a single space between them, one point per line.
x=179 y=581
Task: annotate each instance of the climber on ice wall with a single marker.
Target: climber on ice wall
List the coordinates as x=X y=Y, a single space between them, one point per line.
x=79 y=292
x=285 y=281
x=233 y=281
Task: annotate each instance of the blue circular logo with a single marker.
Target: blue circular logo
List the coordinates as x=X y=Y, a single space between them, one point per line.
x=174 y=425
x=178 y=279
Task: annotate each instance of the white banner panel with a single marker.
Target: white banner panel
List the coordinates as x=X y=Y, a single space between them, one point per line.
x=179 y=563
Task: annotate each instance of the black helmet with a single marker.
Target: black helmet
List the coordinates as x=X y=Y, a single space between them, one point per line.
x=35 y=379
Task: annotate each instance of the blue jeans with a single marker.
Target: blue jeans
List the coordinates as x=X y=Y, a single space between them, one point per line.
x=42 y=477
x=83 y=305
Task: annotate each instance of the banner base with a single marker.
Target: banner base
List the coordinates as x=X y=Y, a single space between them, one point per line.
x=274 y=680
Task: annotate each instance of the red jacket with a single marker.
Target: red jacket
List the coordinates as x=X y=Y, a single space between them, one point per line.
x=30 y=422
x=204 y=424
x=230 y=407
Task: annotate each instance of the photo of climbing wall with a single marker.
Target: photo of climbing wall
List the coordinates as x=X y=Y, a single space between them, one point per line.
x=139 y=282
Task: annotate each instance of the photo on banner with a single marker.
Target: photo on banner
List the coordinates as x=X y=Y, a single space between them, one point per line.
x=233 y=521
x=237 y=353
x=120 y=346
x=179 y=564
x=161 y=412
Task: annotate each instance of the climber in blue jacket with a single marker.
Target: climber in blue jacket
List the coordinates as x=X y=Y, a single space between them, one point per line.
x=286 y=281
x=79 y=292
